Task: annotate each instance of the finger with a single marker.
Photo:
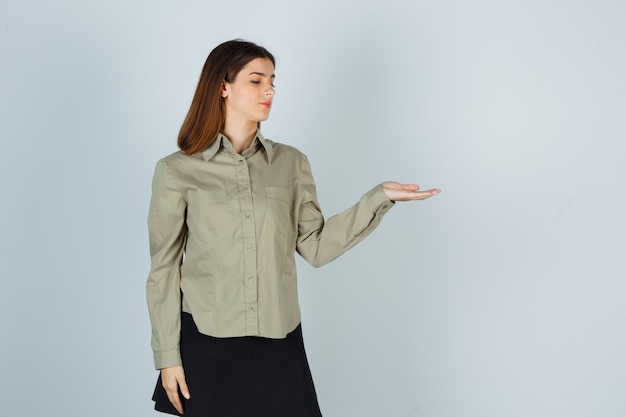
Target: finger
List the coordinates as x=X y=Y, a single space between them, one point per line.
x=426 y=194
x=412 y=196
x=182 y=383
x=432 y=190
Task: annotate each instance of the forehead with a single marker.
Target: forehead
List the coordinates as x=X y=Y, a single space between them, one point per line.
x=258 y=66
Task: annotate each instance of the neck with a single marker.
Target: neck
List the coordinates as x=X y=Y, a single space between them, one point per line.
x=240 y=135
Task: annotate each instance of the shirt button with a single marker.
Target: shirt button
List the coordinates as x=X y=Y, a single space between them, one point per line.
x=251 y=308
x=240 y=162
x=244 y=188
x=250 y=247
x=251 y=278
x=248 y=216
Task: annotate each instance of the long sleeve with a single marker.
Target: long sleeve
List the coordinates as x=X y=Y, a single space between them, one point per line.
x=320 y=242
x=167 y=231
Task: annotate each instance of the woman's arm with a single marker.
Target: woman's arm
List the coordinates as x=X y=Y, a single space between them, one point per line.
x=167 y=230
x=320 y=241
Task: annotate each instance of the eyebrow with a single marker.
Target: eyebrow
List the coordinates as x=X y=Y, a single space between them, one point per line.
x=262 y=74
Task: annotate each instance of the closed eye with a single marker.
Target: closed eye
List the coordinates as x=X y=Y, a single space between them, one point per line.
x=259 y=82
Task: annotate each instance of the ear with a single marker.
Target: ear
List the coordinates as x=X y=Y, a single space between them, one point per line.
x=224 y=89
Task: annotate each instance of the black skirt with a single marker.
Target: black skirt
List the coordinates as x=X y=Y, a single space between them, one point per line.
x=242 y=376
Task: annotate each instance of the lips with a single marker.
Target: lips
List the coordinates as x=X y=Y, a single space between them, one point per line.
x=266 y=104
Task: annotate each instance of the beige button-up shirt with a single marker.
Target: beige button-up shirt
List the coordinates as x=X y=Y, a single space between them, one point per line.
x=224 y=229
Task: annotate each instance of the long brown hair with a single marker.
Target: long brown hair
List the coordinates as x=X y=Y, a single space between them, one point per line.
x=205 y=118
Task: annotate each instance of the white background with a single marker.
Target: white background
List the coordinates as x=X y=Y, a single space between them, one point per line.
x=504 y=296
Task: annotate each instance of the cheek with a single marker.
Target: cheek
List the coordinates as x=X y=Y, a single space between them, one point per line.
x=245 y=95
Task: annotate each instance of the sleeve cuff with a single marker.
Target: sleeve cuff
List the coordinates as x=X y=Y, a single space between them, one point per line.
x=378 y=200
x=167 y=359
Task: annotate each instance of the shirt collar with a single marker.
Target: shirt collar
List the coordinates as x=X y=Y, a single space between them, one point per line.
x=218 y=143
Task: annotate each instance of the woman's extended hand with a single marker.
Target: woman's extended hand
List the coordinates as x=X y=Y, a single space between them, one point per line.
x=407 y=192
x=173 y=378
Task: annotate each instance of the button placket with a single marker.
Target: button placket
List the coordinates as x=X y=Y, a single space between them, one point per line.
x=246 y=210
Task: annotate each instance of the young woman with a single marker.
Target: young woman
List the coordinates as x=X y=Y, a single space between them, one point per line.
x=227 y=214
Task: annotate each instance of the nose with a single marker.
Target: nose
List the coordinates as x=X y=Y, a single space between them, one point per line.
x=270 y=92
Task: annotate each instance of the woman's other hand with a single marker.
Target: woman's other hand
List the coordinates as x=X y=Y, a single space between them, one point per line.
x=407 y=192
x=172 y=379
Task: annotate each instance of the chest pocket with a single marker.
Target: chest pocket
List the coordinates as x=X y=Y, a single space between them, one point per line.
x=208 y=214
x=279 y=208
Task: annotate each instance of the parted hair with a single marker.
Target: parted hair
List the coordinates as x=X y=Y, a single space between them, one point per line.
x=206 y=116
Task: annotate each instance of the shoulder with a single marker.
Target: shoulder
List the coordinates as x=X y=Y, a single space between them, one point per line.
x=175 y=166
x=177 y=161
x=282 y=150
x=174 y=158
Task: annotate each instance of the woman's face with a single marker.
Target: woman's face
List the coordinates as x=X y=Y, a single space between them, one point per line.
x=249 y=97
